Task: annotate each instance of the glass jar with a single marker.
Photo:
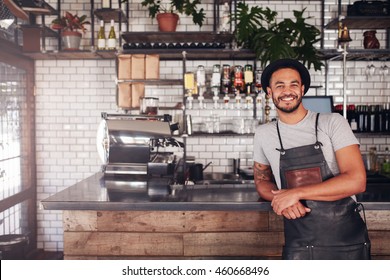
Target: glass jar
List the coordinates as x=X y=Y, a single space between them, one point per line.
x=149 y=106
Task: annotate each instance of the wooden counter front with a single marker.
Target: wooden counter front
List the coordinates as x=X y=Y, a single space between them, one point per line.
x=172 y=234
x=190 y=234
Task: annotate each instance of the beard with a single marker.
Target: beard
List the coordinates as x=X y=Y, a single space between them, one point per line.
x=287 y=109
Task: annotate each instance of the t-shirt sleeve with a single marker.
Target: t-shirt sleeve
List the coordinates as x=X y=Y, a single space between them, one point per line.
x=341 y=132
x=258 y=152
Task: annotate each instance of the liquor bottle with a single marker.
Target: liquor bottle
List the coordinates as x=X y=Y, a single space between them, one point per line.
x=106 y=4
x=101 y=37
x=111 y=42
x=359 y=118
x=257 y=79
x=248 y=78
x=225 y=78
x=352 y=117
x=365 y=118
x=371 y=118
x=378 y=118
x=238 y=77
x=386 y=117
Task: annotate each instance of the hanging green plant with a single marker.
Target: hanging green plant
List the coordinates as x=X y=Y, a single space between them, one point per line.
x=258 y=30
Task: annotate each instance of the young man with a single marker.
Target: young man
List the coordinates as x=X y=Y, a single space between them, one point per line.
x=310 y=167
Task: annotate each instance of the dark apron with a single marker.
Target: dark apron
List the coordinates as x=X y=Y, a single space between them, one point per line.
x=333 y=230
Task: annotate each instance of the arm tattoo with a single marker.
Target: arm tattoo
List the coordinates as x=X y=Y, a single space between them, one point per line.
x=262 y=172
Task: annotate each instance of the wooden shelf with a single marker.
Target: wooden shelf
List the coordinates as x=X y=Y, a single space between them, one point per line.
x=161 y=82
x=196 y=54
x=209 y=54
x=176 y=37
x=46 y=31
x=362 y=22
x=356 y=54
x=51 y=10
x=69 y=55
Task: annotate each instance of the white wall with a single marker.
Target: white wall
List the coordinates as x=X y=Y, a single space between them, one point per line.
x=71 y=94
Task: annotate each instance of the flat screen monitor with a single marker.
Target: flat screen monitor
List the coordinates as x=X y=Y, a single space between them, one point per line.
x=319 y=104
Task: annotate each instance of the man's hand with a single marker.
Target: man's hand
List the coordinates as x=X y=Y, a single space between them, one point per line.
x=295 y=211
x=286 y=203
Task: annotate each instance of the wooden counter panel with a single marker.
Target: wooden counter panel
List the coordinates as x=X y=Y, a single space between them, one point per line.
x=141 y=221
x=173 y=221
x=122 y=244
x=378 y=220
x=234 y=244
x=275 y=222
x=221 y=221
x=380 y=243
x=79 y=220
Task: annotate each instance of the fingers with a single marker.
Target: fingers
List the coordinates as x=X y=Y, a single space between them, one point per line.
x=296 y=211
x=283 y=199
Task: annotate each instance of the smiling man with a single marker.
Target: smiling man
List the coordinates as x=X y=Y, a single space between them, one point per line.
x=310 y=167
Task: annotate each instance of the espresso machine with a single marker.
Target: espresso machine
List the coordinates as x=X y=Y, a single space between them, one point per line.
x=133 y=150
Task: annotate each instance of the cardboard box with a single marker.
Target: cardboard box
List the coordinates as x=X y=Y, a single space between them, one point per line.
x=137 y=91
x=152 y=66
x=124 y=95
x=124 y=67
x=138 y=66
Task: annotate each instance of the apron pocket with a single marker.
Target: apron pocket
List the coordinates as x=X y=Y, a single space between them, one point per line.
x=349 y=252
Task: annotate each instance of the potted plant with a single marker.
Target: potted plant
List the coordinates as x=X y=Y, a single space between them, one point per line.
x=168 y=11
x=258 y=30
x=70 y=25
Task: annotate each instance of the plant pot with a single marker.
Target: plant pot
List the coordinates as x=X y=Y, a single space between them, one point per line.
x=71 y=40
x=167 y=22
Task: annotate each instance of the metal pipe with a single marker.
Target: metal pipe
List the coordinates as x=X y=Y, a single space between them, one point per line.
x=345 y=80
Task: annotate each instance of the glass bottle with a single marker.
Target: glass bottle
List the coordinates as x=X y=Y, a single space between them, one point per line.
x=238 y=78
x=386 y=162
x=225 y=78
x=248 y=78
x=201 y=83
x=225 y=22
x=216 y=83
x=101 y=37
x=111 y=41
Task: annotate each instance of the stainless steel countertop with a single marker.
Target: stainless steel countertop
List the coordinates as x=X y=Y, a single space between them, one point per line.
x=118 y=194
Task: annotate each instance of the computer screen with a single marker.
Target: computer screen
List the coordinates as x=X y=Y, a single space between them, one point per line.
x=319 y=104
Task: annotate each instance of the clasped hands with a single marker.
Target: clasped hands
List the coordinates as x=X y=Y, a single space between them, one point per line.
x=286 y=203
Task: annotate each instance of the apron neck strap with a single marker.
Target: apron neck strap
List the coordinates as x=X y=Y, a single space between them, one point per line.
x=282 y=150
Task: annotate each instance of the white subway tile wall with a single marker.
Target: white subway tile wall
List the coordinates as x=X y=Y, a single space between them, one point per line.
x=71 y=94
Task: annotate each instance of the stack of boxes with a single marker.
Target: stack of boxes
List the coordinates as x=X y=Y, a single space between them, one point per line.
x=133 y=69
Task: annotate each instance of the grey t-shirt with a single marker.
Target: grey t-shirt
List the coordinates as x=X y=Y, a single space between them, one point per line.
x=334 y=133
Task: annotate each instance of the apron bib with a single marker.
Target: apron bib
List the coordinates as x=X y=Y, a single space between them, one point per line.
x=333 y=229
